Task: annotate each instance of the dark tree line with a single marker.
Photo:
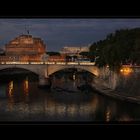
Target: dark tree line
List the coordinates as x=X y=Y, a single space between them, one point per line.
x=121 y=47
x=53 y=53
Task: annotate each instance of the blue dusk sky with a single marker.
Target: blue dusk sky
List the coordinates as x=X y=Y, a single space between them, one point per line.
x=58 y=33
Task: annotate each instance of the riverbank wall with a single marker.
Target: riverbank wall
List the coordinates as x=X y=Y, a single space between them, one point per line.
x=123 y=87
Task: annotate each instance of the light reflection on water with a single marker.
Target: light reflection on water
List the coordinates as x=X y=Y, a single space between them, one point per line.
x=10 y=88
x=108 y=114
x=25 y=101
x=26 y=86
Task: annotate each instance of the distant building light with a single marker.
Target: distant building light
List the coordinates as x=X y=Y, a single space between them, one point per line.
x=126 y=70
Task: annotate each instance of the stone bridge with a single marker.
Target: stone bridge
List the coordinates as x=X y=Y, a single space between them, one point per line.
x=44 y=69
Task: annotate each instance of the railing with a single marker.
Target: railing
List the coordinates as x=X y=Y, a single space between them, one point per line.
x=46 y=63
x=55 y=63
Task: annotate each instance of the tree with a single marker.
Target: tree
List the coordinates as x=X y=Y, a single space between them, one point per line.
x=118 y=48
x=53 y=53
x=84 y=54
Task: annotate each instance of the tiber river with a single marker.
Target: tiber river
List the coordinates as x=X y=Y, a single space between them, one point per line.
x=22 y=100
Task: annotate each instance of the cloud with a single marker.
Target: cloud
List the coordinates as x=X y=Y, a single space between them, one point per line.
x=60 y=32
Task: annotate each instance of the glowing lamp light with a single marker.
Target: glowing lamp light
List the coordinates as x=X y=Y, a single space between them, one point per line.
x=126 y=70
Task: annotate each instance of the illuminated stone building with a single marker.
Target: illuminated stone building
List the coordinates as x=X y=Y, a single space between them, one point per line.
x=25 y=48
x=73 y=53
x=74 y=50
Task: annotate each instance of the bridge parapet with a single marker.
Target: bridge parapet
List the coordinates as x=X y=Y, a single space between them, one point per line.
x=47 y=63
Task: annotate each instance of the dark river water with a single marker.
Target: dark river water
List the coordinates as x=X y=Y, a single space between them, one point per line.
x=22 y=100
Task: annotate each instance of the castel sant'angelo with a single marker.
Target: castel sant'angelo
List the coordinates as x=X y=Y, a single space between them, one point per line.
x=24 y=48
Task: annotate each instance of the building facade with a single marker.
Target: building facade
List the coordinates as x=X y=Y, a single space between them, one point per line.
x=73 y=53
x=74 y=50
x=60 y=58
x=24 y=48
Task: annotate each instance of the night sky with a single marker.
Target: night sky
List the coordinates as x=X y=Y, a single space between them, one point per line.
x=58 y=33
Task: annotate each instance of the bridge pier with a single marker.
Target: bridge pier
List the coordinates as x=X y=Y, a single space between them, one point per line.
x=44 y=82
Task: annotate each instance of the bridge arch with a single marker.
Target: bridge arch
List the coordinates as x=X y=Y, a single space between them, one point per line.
x=27 y=68
x=17 y=70
x=91 y=69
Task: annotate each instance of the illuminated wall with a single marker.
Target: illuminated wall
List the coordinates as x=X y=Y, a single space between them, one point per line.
x=24 y=48
x=25 y=44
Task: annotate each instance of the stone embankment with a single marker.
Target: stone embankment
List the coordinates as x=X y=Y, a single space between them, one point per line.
x=101 y=88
